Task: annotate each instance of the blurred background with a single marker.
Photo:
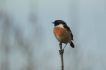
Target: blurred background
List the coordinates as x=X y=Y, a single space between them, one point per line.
x=27 y=41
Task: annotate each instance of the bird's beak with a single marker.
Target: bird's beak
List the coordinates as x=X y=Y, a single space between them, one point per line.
x=52 y=22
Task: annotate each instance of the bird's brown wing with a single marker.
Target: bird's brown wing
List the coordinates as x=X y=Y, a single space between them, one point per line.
x=69 y=30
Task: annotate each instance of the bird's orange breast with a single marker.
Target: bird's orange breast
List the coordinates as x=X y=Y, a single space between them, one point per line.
x=58 y=31
x=61 y=34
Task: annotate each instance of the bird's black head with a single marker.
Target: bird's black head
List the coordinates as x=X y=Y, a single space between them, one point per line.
x=57 y=22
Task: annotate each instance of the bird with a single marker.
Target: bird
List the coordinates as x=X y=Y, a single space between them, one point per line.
x=63 y=33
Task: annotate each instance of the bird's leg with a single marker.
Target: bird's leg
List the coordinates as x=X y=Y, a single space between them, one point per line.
x=60 y=44
x=61 y=51
x=64 y=46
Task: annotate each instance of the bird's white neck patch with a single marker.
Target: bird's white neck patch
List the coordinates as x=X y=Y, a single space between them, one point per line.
x=60 y=25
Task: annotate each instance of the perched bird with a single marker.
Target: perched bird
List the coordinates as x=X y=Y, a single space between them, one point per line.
x=62 y=32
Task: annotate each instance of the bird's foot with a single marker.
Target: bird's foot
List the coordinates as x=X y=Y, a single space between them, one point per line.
x=61 y=51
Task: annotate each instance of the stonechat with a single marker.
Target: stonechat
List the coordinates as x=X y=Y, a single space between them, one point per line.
x=62 y=32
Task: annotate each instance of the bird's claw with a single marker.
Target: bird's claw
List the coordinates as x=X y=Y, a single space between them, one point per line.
x=61 y=51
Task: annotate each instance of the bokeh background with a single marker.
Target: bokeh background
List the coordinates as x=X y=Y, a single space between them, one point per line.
x=27 y=41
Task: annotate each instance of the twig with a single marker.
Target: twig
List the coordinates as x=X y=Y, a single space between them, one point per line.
x=61 y=51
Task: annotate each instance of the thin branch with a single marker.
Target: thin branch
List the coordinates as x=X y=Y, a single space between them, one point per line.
x=61 y=51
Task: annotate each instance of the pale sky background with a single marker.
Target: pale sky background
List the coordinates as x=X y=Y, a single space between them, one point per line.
x=26 y=45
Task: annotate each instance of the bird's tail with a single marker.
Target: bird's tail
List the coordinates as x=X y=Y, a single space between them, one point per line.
x=72 y=44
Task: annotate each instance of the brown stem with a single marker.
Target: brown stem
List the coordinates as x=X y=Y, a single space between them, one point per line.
x=61 y=51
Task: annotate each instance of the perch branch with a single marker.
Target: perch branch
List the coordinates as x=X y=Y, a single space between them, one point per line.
x=61 y=51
